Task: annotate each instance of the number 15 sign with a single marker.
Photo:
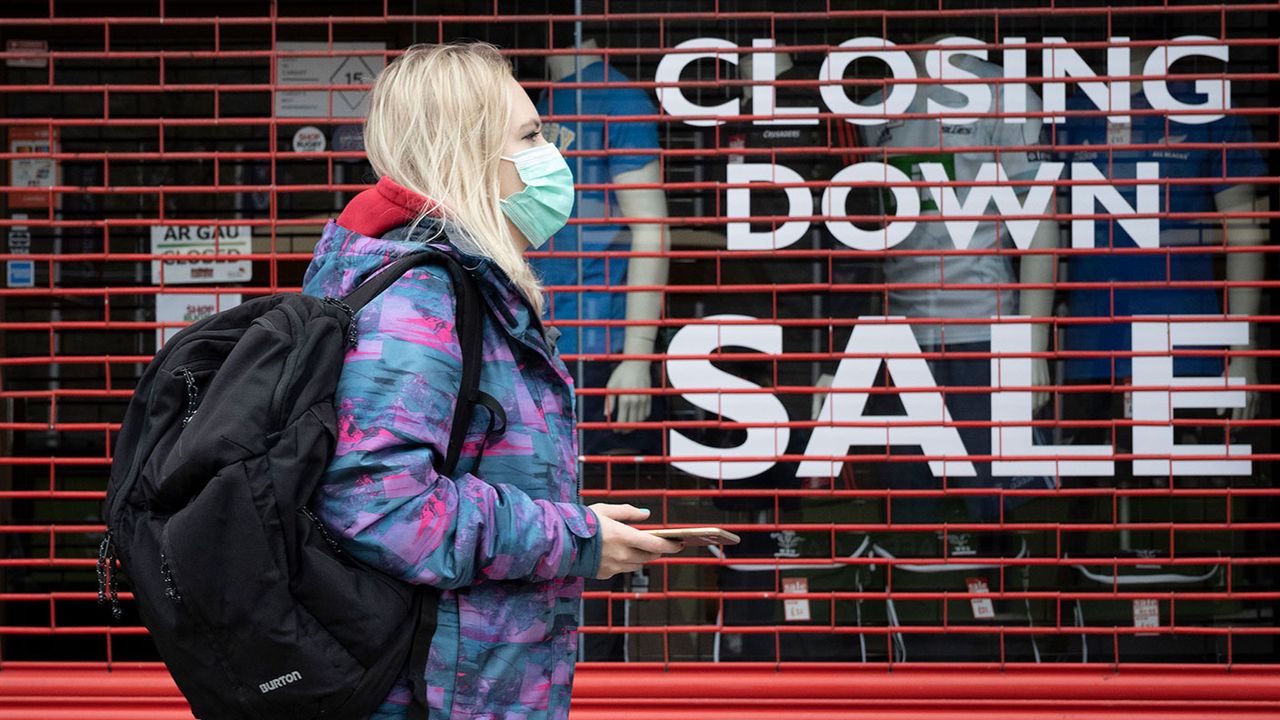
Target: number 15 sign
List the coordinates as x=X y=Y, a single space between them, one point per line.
x=333 y=65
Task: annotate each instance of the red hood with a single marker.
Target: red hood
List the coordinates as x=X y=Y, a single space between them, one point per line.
x=382 y=207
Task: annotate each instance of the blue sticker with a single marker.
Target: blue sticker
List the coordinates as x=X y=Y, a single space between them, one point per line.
x=22 y=273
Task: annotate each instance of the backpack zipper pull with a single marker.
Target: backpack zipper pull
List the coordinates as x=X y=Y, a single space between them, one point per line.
x=351 y=318
x=107 y=569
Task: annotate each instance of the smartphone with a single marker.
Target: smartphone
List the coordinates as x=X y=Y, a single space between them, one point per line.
x=698 y=537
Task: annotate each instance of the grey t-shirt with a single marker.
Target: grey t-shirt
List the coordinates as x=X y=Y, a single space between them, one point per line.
x=945 y=265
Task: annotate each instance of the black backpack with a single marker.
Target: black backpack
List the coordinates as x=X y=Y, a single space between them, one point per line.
x=253 y=607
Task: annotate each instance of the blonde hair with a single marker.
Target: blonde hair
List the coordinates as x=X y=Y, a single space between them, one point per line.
x=437 y=125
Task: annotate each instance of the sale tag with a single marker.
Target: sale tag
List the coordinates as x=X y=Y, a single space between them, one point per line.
x=796 y=610
x=33 y=166
x=982 y=607
x=1119 y=133
x=1146 y=613
x=737 y=141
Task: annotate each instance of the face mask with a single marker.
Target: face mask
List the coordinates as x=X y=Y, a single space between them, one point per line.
x=543 y=206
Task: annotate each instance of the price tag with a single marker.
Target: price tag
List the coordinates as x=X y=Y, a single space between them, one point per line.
x=1146 y=613
x=32 y=168
x=1119 y=133
x=982 y=607
x=796 y=610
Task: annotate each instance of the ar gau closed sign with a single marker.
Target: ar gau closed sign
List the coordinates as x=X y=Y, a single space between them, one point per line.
x=218 y=241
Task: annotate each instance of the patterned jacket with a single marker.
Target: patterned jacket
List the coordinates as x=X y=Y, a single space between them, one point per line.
x=508 y=540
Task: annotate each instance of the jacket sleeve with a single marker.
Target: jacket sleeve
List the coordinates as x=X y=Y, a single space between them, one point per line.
x=381 y=493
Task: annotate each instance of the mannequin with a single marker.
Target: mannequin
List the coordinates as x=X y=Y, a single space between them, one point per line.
x=1244 y=268
x=1240 y=267
x=800 y=146
x=1033 y=270
x=1179 y=158
x=646 y=306
x=1207 y=197
x=908 y=145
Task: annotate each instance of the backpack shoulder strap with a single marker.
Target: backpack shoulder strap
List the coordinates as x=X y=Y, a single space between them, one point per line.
x=469 y=321
x=469 y=314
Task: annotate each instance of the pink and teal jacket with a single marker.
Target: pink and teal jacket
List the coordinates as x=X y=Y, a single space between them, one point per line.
x=507 y=540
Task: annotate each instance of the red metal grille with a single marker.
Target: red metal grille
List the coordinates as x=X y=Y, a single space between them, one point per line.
x=790 y=391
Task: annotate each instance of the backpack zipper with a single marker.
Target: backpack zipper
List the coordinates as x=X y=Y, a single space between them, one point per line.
x=108 y=571
x=166 y=572
x=324 y=533
x=192 y=395
x=108 y=567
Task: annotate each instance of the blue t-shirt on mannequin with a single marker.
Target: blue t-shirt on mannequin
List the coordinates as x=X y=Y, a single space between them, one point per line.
x=573 y=135
x=1176 y=161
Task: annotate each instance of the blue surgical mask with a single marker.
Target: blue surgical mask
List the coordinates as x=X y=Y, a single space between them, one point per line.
x=543 y=206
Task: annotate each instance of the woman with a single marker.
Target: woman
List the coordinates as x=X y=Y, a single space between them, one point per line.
x=463 y=166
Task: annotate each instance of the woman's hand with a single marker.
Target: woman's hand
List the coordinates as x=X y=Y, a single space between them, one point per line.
x=623 y=548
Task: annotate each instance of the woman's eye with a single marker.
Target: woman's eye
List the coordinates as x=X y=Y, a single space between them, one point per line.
x=531 y=135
